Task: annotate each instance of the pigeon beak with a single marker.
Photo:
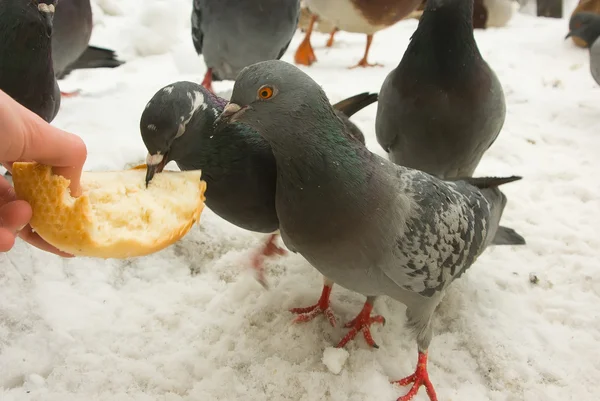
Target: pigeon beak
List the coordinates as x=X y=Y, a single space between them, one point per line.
x=155 y=164
x=231 y=113
x=569 y=35
x=47 y=11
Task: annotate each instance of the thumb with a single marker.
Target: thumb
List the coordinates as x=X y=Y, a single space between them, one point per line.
x=30 y=138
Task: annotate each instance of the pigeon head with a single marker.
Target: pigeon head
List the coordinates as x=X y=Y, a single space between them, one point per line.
x=586 y=26
x=273 y=94
x=165 y=121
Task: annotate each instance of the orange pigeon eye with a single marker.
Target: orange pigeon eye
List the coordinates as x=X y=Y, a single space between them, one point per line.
x=265 y=92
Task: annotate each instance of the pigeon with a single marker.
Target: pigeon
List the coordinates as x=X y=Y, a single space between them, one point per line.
x=367 y=224
x=358 y=16
x=443 y=106
x=70 y=42
x=586 y=26
x=26 y=70
x=232 y=34
x=237 y=165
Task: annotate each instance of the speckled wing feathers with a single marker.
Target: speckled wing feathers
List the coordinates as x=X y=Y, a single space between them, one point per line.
x=447 y=229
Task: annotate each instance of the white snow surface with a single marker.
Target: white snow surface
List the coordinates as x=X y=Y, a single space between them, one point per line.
x=190 y=322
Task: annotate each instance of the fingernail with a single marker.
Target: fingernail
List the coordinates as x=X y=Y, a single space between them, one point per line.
x=20 y=228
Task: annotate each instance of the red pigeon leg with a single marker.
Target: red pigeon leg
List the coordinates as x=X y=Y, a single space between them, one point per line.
x=321 y=307
x=419 y=378
x=207 y=82
x=270 y=248
x=362 y=323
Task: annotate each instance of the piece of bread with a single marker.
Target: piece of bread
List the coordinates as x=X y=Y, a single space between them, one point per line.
x=116 y=216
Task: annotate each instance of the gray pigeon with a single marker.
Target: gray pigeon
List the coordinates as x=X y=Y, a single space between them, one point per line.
x=70 y=42
x=26 y=72
x=586 y=26
x=442 y=107
x=232 y=34
x=368 y=224
x=237 y=164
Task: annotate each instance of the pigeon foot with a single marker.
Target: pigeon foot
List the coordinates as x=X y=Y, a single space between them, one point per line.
x=322 y=306
x=207 y=81
x=419 y=378
x=331 y=35
x=305 y=54
x=362 y=323
x=70 y=94
x=270 y=248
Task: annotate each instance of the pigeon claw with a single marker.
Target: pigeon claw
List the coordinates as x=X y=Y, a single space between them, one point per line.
x=321 y=307
x=269 y=249
x=362 y=323
x=419 y=378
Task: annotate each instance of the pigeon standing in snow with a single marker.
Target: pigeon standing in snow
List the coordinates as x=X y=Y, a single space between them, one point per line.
x=26 y=71
x=232 y=34
x=586 y=26
x=70 y=41
x=443 y=106
x=237 y=164
x=369 y=225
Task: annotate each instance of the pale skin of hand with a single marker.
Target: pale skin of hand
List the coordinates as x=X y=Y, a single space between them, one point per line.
x=24 y=136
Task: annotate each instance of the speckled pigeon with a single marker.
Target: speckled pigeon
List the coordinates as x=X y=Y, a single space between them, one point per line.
x=70 y=42
x=26 y=72
x=237 y=164
x=368 y=224
x=232 y=34
x=586 y=26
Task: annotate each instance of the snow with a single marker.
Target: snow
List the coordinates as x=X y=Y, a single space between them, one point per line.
x=191 y=323
x=335 y=358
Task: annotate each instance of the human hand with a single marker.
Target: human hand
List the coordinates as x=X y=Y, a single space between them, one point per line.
x=27 y=137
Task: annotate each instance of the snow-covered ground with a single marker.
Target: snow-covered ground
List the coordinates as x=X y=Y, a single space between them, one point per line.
x=190 y=322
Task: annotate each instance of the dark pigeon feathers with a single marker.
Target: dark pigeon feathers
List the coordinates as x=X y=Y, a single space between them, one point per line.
x=442 y=107
x=70 y=43
x=26 y=71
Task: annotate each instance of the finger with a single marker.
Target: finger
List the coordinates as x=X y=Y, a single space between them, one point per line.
x=7 y=191
x=7 y=240
x=27 y=234
x=43 y=143
x=15 y=215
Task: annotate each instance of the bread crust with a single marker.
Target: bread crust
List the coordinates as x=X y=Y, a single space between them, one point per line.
x=66 y=222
